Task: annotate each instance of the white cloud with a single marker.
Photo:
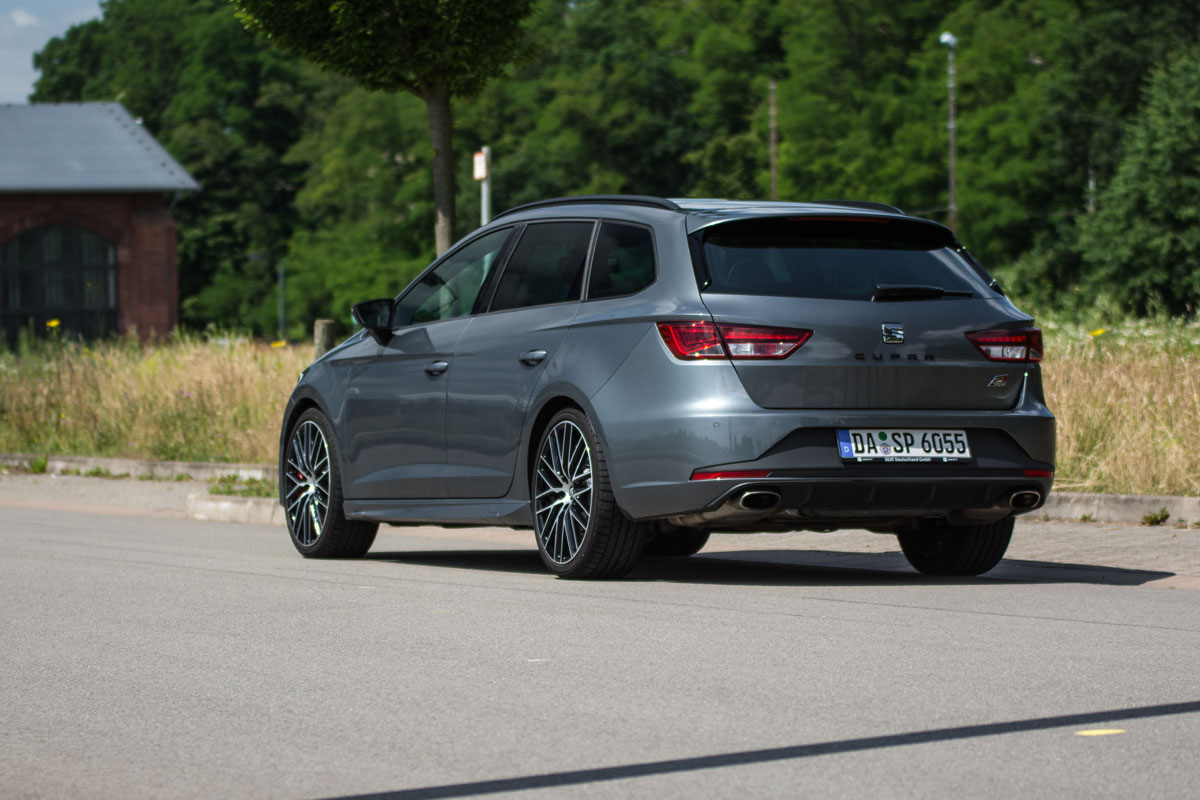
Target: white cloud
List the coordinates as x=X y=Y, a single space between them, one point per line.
x=22 y=34
x=22 y=18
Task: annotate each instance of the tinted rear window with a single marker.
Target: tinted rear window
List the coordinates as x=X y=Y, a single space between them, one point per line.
x=832 y=259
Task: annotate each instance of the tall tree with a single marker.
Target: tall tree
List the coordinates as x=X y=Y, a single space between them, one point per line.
x=1143 y=243
x=434 y=50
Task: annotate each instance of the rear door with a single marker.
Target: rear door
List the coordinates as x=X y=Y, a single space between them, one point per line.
x=889 y=301
x=504 y=353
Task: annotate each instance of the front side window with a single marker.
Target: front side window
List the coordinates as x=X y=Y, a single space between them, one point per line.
x=546 y=266
x=450 y=289
x=623 y=263
x=834 y=259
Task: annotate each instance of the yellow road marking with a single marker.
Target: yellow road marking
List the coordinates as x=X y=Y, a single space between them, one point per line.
x=1100 y=732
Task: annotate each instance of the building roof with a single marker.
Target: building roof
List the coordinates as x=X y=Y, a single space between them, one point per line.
x=83 y=147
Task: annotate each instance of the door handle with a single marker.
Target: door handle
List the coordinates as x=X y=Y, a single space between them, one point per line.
x=532 y=357
x=437 y=367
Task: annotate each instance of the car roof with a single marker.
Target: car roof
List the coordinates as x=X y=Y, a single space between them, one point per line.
x=702 y=212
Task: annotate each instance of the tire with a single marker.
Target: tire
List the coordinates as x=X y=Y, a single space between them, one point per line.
x=313 y=508
x=581 y=533
x=671 y=540
x=943 y=549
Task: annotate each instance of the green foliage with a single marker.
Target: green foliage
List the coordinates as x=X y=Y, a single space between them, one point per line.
x=397 y=44
x=1145 y=237
x=656 y=97
x=1156 y=517
x=243 y=487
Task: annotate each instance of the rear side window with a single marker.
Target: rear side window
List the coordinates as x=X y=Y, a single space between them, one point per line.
x=844 y=259
x=623 y=263
x=546 y=266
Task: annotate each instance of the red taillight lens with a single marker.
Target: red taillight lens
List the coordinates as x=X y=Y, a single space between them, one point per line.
x=693 y=340
x=700 y=475
x=1016 y=344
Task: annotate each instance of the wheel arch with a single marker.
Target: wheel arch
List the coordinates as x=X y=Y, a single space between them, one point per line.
x=298 y=405
x=552 y=406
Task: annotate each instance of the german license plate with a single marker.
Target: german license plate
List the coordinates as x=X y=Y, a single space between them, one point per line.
x=903 y=446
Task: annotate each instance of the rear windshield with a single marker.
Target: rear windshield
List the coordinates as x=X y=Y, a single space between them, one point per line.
x=843 y=259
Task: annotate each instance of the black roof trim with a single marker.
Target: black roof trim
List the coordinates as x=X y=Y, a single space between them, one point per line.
x=596 y=199
x=863 y=204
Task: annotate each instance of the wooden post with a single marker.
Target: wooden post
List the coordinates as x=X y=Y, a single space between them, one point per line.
x=323 y=340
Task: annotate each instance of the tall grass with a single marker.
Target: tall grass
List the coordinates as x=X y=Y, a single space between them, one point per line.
x=1127 y=400
x=187 y=398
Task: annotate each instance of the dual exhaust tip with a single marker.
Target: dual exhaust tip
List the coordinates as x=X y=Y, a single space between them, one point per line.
x=767 y=499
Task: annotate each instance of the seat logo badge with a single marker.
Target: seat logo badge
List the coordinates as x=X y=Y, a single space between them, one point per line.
x=893 y=333
x=998 y=382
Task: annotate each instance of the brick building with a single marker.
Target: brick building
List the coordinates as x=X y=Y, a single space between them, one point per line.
x=86 y=235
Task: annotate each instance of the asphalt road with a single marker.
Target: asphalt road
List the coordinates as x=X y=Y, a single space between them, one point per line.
x=147 y=656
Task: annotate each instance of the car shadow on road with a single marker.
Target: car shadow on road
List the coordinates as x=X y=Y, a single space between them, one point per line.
x=783 y=568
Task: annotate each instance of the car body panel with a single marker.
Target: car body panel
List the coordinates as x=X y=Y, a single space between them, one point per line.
x=489 y=392
x=848 y=364
x=394 y=427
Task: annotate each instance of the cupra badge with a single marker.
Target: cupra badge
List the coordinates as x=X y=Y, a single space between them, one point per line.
x=893 y=333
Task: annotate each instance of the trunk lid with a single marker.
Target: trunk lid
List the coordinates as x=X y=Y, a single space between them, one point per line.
x=889 y=303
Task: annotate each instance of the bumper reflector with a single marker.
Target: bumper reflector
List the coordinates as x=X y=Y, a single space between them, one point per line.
x=1039 y=473
x=701 y=475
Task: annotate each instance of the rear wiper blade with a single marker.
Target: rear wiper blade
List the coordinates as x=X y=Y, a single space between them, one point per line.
x=898 y=292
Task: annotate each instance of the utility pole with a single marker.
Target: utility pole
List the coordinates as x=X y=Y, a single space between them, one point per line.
x=279 y=331
x=483 y=166
x=771 y=114
x=951 y=42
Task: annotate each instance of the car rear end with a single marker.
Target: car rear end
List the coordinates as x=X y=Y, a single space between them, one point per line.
x=848 y=367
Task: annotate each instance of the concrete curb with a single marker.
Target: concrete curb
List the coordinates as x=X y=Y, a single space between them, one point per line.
x=1120 y=507
x=141 y=468
x=221 y=508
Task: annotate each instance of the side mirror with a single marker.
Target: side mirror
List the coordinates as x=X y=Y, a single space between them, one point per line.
x=376 y=317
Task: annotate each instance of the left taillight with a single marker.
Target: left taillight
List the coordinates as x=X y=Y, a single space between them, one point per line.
x=699 y=340
x=1015 y=344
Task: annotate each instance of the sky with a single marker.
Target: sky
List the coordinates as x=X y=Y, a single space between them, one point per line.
x=25 y=27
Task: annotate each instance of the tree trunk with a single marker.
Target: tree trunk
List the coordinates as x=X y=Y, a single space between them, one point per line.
x=437 y=104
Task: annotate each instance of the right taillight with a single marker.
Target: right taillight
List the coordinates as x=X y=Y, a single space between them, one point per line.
x=1009 y=344
x=697 y=340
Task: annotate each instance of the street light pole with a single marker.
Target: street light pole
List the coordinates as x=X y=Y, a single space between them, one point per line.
x=951 y=42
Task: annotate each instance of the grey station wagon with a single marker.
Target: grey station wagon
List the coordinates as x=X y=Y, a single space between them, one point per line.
x=625 y=374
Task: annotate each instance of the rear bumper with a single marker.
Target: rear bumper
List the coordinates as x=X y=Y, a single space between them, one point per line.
x=824 y=502
x=698 y=417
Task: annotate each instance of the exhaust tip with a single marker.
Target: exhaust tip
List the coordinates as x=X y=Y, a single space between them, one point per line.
x=1025 y=499
x=758 y=499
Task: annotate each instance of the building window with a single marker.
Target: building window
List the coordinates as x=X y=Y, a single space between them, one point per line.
x=58 y=272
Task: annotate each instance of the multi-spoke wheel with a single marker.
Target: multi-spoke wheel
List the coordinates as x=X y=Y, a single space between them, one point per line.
x=580 y=531
x=312 y=494
x=562 y=491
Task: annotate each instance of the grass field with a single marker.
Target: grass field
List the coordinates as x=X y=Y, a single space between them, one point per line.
x=1127 y=400
x=188 y=398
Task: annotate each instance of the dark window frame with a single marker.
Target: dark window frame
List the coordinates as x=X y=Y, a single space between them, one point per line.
x=587 y=283
x=485 y=288
x=73 y=318
x=524 y=228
